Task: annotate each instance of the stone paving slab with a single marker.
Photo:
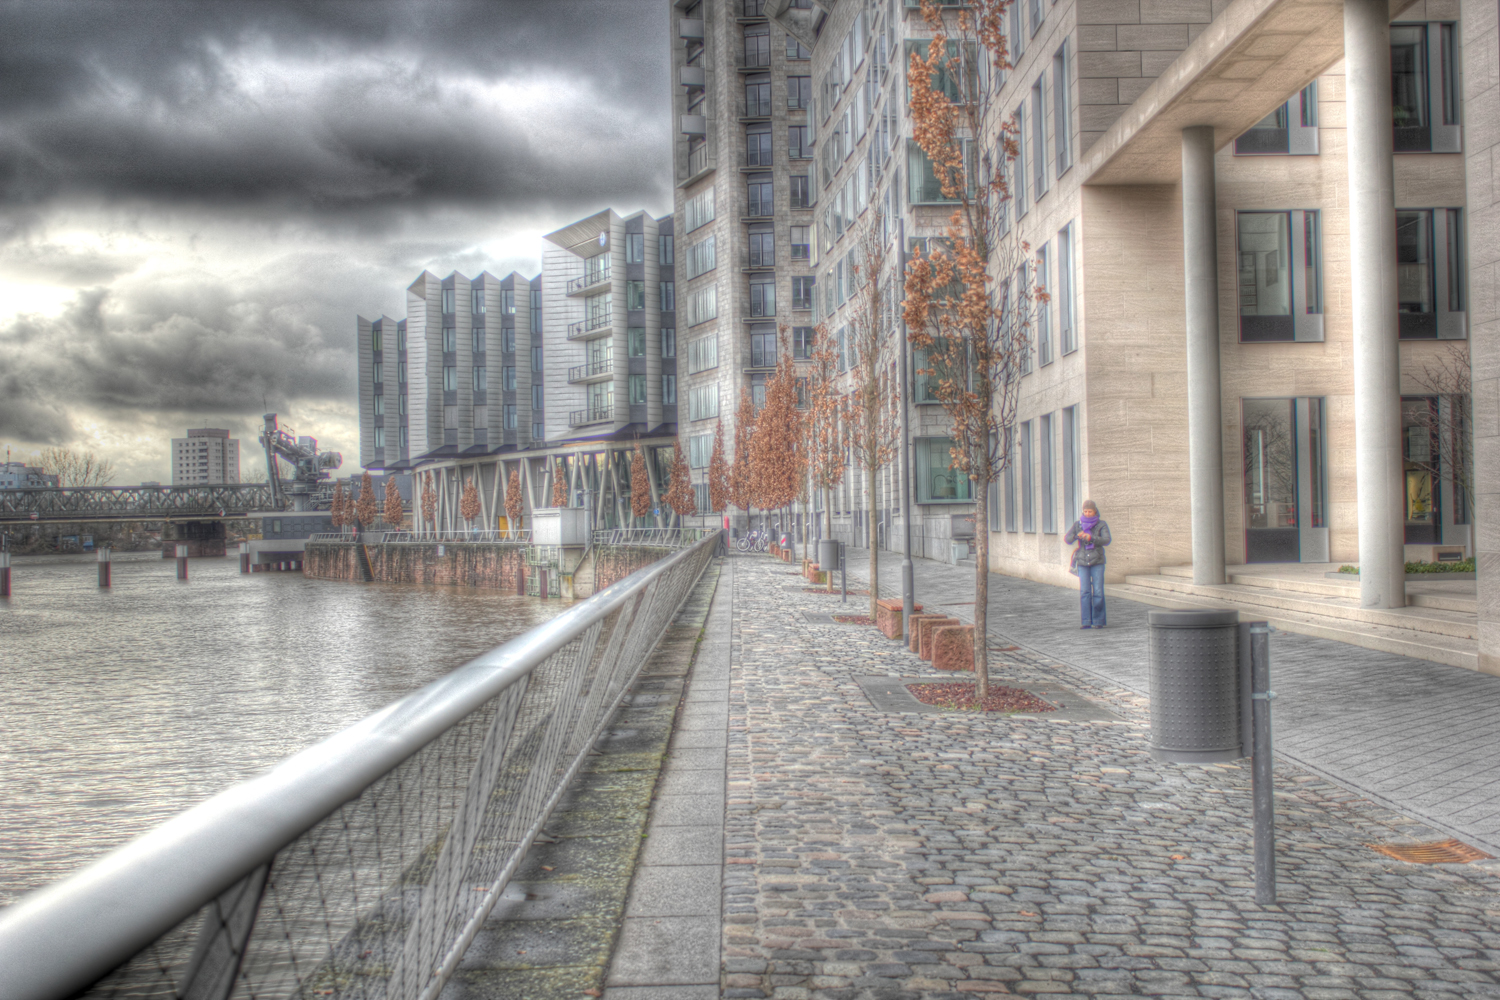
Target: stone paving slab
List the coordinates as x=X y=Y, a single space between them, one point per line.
x=1416 y=736
x=885 y=855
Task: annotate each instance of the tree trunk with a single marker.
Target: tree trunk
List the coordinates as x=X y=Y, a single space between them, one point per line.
x=874 y=551
x=981 y=588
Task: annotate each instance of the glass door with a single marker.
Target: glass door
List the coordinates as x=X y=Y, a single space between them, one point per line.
x=1285 y=474
x=1419 y=448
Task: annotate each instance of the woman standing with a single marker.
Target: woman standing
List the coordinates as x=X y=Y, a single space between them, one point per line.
x=1091 y=534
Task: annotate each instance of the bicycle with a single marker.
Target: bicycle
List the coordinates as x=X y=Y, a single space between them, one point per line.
x=755 y=541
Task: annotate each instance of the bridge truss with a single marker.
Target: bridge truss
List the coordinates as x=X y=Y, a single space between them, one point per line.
x=136 y=503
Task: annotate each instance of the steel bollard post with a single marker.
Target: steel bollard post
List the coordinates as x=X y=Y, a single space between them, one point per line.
x=4 y=574
x=182 y=558
x=244 y=557
x=843 y=574
x=104 y=566
x=1261 y=764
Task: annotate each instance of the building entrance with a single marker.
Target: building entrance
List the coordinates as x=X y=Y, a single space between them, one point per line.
x=1286 y=477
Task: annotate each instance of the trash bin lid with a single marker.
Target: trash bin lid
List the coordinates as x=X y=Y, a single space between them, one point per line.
x=1192 y=619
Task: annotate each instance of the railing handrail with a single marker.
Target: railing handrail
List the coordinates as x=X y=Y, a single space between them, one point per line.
x=589 y=278
x=62 y=938
x=429 y=535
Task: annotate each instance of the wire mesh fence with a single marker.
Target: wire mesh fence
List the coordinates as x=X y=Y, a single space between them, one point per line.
x=370 y=860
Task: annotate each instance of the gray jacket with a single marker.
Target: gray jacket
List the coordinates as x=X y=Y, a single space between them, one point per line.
x=1095 y=555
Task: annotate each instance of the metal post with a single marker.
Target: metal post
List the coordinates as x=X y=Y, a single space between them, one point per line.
x=4 y=574
x=843 y=575
x=244 y=557
x=104 y=566
x=1260 y=782
x=908 y=575
x=182 y=558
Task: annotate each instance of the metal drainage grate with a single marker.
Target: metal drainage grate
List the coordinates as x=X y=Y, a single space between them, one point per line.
x=1439 y=852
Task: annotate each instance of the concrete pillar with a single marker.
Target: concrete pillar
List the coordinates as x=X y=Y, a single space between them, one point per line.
x=1372 y=278
x=1200 y=239
x=1480 y=39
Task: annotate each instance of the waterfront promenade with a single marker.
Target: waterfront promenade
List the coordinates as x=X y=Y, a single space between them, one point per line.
x=873 y=852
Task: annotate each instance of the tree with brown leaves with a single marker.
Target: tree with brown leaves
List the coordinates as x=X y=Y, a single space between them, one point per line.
x=429 y=503
x=640 y=484
x=775 y=458
x=395 y=514
x=718 y=473
x=513 y=508
x=872 y=410
x=741 y=479
x=337 y=513
x=469 y=506
x=680 y=496
x=823 y=425
x=559 y=484
x=364 y=507
x=969 y=297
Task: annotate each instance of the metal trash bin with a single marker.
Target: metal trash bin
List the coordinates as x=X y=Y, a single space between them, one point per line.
x=1199 y=687
x=828 y=555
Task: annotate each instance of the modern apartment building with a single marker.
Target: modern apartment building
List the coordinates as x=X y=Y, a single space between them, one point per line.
x=207 y=455
x=486 y=376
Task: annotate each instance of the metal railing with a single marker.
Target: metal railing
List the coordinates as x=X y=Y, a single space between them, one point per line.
x=364 y=865
x=667 y=537
x=596 y=321
x=604 y=366
x=589 y=278
x=591 y=415
x=518 y=535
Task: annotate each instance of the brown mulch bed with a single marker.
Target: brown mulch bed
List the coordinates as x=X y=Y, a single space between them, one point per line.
x=854 y=619
x=961 y=697
x=824 y=591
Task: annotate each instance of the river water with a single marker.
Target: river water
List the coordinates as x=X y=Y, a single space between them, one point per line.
x=120 y=708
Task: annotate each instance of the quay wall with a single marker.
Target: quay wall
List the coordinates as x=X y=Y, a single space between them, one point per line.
x=613 y=563
x=491 y=565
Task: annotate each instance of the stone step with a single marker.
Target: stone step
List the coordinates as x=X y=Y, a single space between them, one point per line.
x=1446 y=602
x=1453 y=650
x=1424 y=619
x=1291 y=582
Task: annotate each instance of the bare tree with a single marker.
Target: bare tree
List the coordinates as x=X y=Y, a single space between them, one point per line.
x=75 y=468
x=969 y=297
x=1450 y=378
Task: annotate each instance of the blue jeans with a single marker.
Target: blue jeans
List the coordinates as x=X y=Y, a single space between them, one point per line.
x=1091 y=594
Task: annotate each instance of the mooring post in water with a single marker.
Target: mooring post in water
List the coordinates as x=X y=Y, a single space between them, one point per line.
x=182 y=562
x=4 y=574
x=244 y=557
x=104 y=566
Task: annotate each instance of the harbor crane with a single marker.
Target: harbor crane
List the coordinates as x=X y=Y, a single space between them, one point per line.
x=303 y=490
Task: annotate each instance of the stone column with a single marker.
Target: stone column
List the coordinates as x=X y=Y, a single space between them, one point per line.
x=1372 y=279
x=1200 y=236
x=1480 y=36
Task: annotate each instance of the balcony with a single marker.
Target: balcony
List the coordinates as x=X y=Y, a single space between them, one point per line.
x=756 y=110
x=594 y=371
x=698 y=160
x=597 y=323
x=755 y=60
x=690 y=27
x=694 y=125
x=578 y=286
x=592 y=415
x=692 y=76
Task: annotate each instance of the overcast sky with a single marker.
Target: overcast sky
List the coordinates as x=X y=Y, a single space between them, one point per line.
x=200 y=196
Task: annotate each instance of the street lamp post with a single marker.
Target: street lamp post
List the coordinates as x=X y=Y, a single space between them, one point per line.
x=908 y=577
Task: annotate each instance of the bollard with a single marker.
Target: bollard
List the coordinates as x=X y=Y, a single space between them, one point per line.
x=1261 y=763
x=4 y=574
x=182 y=558
x=104 y=566
x=244 y=557
x=843 y=575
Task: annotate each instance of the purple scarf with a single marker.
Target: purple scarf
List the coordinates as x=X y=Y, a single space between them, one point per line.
x=1088 y=524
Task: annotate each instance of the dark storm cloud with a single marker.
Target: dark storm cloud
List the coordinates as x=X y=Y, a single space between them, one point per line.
x=332 y=106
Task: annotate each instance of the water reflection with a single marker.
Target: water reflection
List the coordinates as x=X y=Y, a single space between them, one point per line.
x=120 y=708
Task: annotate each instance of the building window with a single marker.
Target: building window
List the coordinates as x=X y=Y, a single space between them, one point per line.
x=635 y=342
x=450 y=379
x=1039 y=137
x=536 y=309
x=1019 y=164
x=450 y=340
x=703 y=305
x=762 y=247
x=1279 y=268
x=794 y=48
x=380 y=406
x=757 y=96
x=799 y=92
x=401 y=372
x=802 y=343
x=375 y=337
x=757 y=45
x=703 y=402
x=405 y=440
x=377 y=372
x=1008 y=479
x=508 y=377
x=700 y=257
x=635 y=295
x=668 y=296
x=925 y=189
x=763 y=297
x=801 y=249
x=1044 y=308
x=762 y=348
x=1425 y=88
x=1067 y=317
x=510 y=416
x=1023 y=456
x=1429 y=274
x=758 y=193
x=476 y=300
x=668 y=342
x=758 y=146
x=1044 y=453
x=802 y=292
x=379 y=437
x=669 y=390
x=538 y=430
x=637 y=389
x=447 y=300
x=479 y=380
x=476 y=340
x=1291 y=128
x=802 y=191
x=664 y=249
x=508 y=340
x=536 y=359
x=700 y=448
x=703 y=354
x=936 y=482
x=401 y=404
x=1062 y=124
x=536 y=397
x=635 y=248
x=401 y=335
x=798 y=143
x=699 y=210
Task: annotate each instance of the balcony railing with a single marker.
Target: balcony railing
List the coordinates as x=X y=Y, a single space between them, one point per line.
x=591 y=415
x=588 y=281
x=598 y=321
x=698 y=160
x=756 y=109
x=579 y=373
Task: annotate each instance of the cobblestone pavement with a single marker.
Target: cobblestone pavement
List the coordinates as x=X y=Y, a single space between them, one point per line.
x=875 y=854
x=1382 y=724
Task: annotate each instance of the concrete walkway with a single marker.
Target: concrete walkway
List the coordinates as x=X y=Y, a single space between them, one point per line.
x=1419 y=737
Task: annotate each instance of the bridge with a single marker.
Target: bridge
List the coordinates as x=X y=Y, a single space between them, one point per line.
x=136 y=503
